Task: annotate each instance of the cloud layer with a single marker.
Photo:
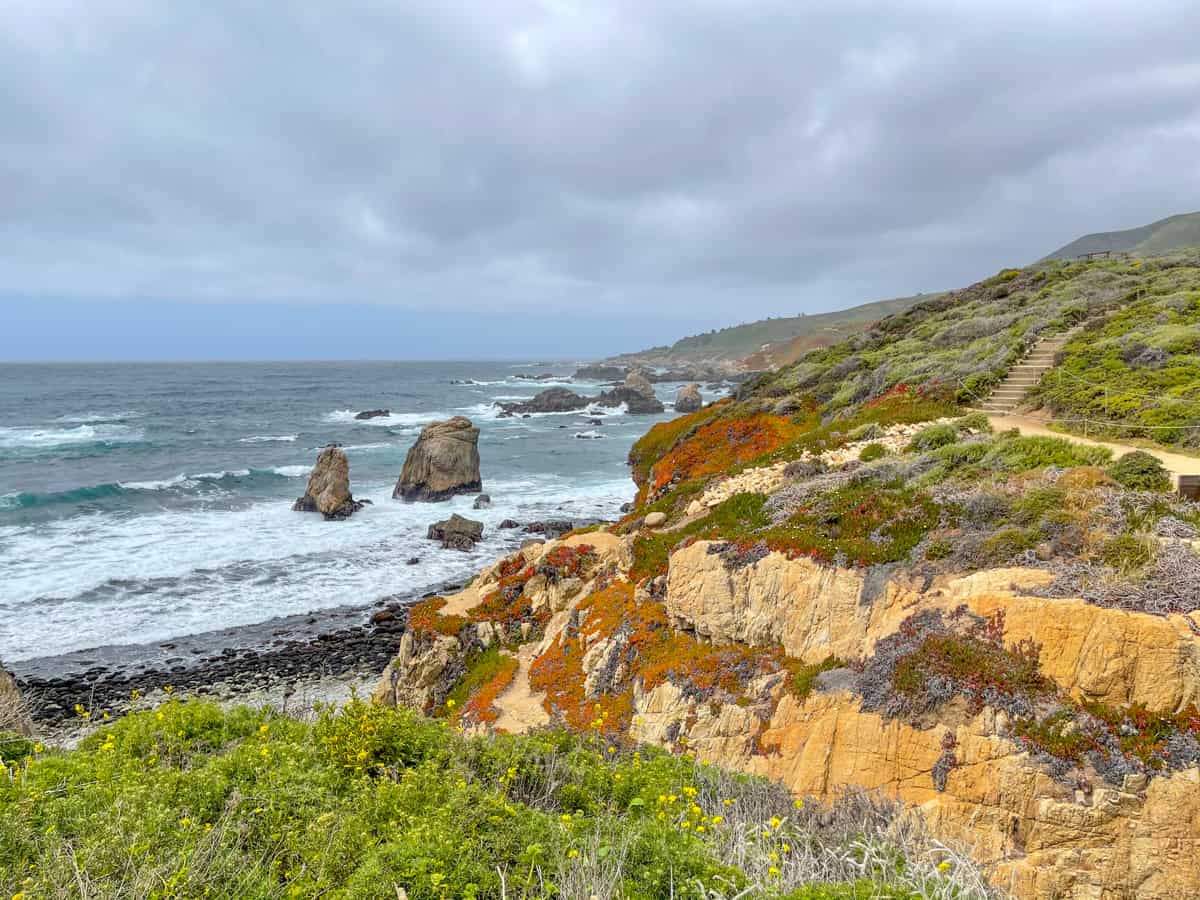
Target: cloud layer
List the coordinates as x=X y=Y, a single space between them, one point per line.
x=708 y=161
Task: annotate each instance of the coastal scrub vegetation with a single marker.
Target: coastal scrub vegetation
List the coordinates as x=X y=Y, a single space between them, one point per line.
x=1136 y=373
x=188 y=800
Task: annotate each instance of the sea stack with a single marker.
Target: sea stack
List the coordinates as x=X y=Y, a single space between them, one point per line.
x=443 y=462
x=688 y=399
x=328 y=490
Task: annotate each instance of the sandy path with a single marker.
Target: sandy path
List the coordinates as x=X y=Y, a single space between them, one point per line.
x=520 y=709
x=1176 y=463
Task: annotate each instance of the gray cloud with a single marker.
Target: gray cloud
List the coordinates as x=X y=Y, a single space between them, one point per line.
x=715 y=160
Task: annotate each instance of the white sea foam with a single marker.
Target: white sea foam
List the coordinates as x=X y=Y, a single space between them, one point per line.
x=224 y=567
x=393 y=420
x=161 y=485
x=269 y=439
x=31 y=438
x=590 y=435
x=292 y=471
x=93 y=418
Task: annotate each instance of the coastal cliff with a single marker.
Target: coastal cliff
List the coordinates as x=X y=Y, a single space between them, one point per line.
x=846 y=590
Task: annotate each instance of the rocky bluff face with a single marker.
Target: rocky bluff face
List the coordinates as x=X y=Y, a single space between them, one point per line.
x=443 y=462
x=328 y=490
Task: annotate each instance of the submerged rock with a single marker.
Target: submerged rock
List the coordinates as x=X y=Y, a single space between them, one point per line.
x=456 y=532
x=372 y=414
x=442 y=463
x=688 y=399
x=328 y=489
x=483 y=501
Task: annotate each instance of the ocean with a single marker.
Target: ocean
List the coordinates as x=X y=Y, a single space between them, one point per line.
x=140 y=502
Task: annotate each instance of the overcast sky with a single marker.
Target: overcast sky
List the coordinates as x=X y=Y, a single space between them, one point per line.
x=510 y=178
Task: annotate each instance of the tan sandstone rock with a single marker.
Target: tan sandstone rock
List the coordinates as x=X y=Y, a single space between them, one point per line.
x=328 y=489
x=443 y=462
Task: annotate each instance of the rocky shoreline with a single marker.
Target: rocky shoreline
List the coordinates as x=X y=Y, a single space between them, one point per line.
x=227 y=662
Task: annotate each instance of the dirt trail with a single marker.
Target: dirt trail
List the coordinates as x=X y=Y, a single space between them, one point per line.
x=521 y=710
x=1176 y=463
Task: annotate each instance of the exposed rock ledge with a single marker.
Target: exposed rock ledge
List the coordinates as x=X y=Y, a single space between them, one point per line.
x=1039 y=836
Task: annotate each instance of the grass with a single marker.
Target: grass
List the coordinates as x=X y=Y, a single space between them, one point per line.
x=189 y=800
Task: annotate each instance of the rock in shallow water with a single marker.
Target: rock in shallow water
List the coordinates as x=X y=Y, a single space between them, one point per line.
x=442 y=463
x=456 y=532
x=328 y=489
x=688 y=399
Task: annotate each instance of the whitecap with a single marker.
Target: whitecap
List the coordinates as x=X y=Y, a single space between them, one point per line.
x=590 y=435
x=291 y=471
x=269 y=439
x=393 y=420
x=161 y=485
x=33 y=438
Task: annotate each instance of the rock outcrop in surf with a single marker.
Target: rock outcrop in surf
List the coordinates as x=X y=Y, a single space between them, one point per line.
x=328 y=490
x=456 y=533
x=442 y=463
x=688 y=400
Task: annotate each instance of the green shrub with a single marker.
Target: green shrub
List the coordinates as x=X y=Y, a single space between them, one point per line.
x=1140 y=471
x=369 y=802
x=976 y=422
x=872 y=452
x=932 y=437
x=1020 y=453
x=805 y=678
x=1127 y=553
x=938 y=548
x=1006 y=543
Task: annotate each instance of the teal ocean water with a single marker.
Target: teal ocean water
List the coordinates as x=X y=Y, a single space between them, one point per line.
x=144 y=501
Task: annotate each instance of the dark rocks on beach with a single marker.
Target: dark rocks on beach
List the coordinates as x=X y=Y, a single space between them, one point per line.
x=372 y=414
x=366 y=648
x=688 y=399
x=551 y=528
x=328 y=489
x=442 y=463
x=483 y=501
x=456 y=533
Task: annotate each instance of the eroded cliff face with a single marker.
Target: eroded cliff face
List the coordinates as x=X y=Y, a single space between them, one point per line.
x=587 y=647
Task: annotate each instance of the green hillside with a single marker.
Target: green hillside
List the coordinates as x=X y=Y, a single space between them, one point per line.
x=1163 y=236
x=733 y=344
x=1136 y=365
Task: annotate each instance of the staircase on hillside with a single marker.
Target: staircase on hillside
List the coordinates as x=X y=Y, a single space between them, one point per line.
x=1024 y=375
